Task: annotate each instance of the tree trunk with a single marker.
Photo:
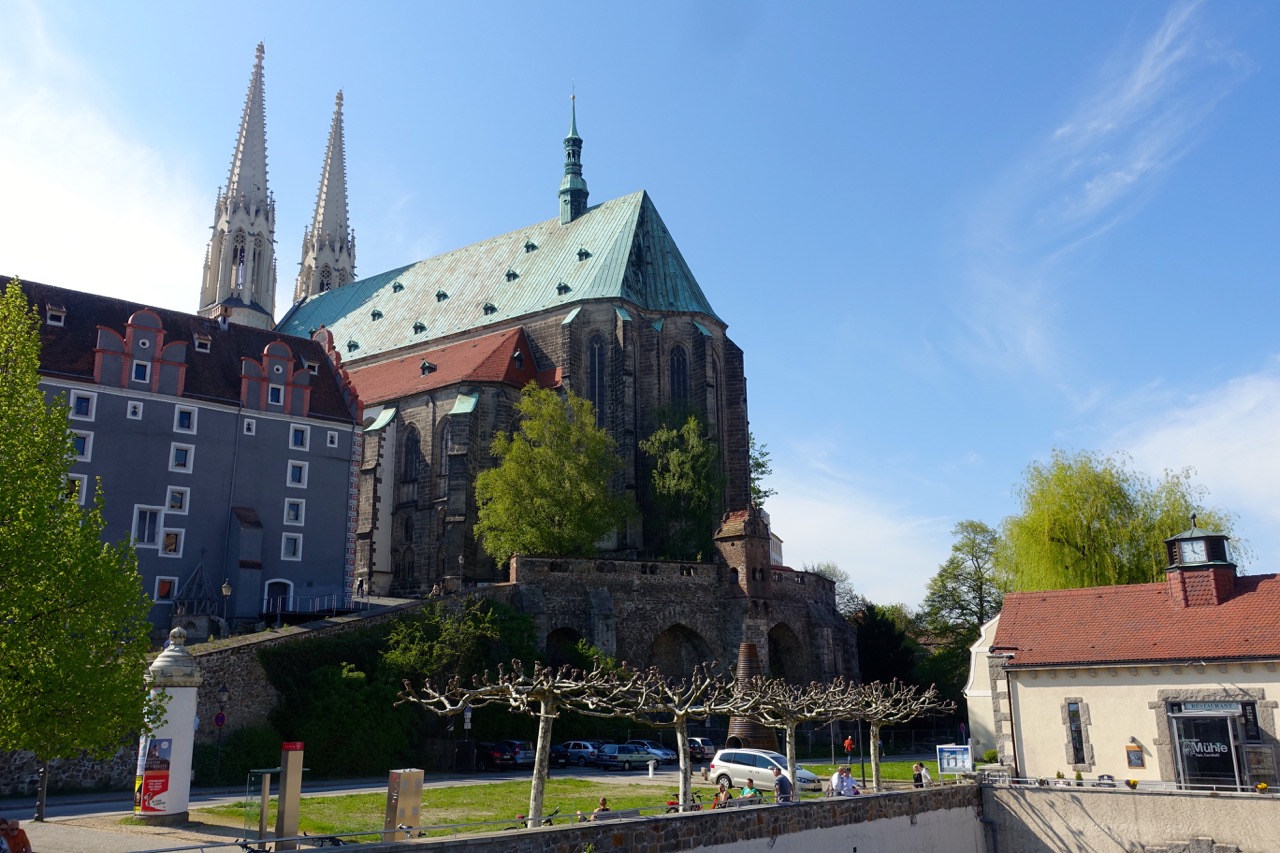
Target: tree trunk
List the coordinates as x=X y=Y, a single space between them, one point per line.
x=686 y=768
x=791 y=758
x=42 y=788
x=874 y=737
x=541 y=760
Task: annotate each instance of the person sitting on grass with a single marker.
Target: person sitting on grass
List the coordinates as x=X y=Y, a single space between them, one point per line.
x=603 y=807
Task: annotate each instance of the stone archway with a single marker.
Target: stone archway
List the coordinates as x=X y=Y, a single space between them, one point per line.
x=678 y=649
x=788 y=658
x=562 y=647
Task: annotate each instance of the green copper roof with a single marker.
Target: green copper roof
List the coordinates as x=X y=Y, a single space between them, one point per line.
x=619 y=250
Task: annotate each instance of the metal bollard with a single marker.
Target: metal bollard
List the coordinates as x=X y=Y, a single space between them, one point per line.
x=652 y=765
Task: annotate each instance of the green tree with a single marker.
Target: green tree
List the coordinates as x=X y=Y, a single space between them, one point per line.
x=848 y=602
x=760 y=468
x=1091 y=520
x=73 y=649
x=550 y=494
x=688 y=485
x=886 y=650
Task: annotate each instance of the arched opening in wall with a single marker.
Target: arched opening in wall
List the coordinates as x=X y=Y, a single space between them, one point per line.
x=260 y=268
x=677 y=650
x=678 y=375
x=788 y=658
x=598 y=378
x=403 y=581
x=326 y=278
x=562 y=648
x=410 y=459
x=238 y=260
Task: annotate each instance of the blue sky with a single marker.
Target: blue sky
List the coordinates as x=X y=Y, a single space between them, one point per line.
x=950 y=237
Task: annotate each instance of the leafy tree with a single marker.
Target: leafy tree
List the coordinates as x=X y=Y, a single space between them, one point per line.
x=688 y=484
x=439 y=641
x=848 y=602
x=1091 y=520
x=74 y=649
x=760 y=468
x=885 y=649
x=550 y=493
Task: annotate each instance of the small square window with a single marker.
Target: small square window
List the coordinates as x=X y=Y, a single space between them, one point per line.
x=55 y=317
x=275 y=394
x=77 y=487
x=331 y=438
x=250 y=426
x=203 y=343
x=182 y=457
x=291 y=546
x=142 y=371
x=297 y=475
x=171 y=543
x=83 y=444
x=146 y=526
x=134 y=412
x=177 y=500
x=299 y=437
x=83 y=405
x=312 y=367
x=184 y=419
x=295 y=511
x=166 y=590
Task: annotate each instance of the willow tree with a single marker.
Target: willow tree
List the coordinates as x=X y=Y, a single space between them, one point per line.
x=73 y=649
x=1092 y=520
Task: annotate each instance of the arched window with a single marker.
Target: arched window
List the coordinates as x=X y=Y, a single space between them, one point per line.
x=410 y=456
x=238 y=259
x=408 y=529
x=259 y=261
x=326 y=278
x=679 y=374
x=715 y=392
x=598 y=378
x=442 y=464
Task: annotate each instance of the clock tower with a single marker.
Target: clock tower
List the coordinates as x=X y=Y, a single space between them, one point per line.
x=1200 y=571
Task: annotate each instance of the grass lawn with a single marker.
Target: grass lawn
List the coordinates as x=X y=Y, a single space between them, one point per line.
x=493 y=806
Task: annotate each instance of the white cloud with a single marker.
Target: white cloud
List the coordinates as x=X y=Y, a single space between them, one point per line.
x=1229 y=436
x=88 y=204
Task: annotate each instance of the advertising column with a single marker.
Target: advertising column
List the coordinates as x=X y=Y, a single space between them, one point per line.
x=162 y=784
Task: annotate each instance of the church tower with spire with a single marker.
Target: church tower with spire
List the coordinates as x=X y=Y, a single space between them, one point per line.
x=329 y=244
x=240 y=264
x=573 y=189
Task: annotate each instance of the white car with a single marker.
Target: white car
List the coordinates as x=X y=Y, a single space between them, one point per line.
x=734 y=766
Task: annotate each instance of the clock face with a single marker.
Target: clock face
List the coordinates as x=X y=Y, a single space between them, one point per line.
x=1192 y=550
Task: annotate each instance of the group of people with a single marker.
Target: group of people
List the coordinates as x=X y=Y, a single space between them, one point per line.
x=782 y=791
x=13 y=838
x=842 y=783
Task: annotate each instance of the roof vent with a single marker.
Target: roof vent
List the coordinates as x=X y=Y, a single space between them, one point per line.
x=441 y=296
x=427 y=367
x=530 y=246
x=562 y=288
x=583 y=254
x=490 y=308
x=419 y=327
x=396 y=287
x=375 y=314
x=353 y=345
x=512 y=275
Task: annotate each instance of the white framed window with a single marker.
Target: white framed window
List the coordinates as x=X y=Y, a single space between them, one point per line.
x=141 y=371
x=299 y=437
x=297 y=476
x=171 y=541
x=175 y=503
x=77 y=487
x=146 y=526
x=295 y=511
x=331 y=438
x=166 y=590
x=203 y=342
x=312 y=367
x=83 y=442
x=275 y=395
x=83 y=405
x=182 y=458
x=291 y=546
x=184 y=419
x=134 y=412
x=55 y=316
x=250 y=426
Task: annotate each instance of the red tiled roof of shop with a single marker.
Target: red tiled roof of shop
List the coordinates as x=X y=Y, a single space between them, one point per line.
x=490 y=358
x=1139 y=623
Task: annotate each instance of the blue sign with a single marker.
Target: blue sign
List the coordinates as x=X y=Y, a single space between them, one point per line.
x=954 y=760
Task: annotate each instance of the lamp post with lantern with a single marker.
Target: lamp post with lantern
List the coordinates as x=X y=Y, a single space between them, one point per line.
x=226 y=596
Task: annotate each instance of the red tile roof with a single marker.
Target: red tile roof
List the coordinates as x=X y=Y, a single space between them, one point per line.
x=1139 y=623
x=490 y=358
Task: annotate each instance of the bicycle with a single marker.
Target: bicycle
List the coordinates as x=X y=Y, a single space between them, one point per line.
x=547 y=820
x=694 y=806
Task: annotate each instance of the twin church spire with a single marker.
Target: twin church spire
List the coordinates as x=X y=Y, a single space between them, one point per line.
x=240 y=265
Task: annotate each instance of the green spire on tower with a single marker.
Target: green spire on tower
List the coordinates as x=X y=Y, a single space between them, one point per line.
x=573 y=189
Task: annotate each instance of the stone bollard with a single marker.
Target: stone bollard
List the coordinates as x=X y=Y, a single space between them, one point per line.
x=653 y=764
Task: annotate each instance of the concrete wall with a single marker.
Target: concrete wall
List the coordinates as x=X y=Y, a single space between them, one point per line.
x=1104 y=820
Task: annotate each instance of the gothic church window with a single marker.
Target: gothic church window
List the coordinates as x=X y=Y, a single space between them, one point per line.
x=237 y=258
x=679 y=374
x=412 y=453
x=597 y=378
x=326 y=278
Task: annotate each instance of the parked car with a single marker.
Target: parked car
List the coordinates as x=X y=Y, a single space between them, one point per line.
x=579 y=752
x=701 y=748
x=733 y=766
x=623 y=756
x=665 y=755
x=512 y=753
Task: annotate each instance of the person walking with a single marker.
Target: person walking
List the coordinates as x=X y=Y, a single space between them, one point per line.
x=781 y=787
x=920 y=775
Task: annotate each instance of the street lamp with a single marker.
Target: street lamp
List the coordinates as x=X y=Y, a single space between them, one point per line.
x=220 y=719
x=226 y=594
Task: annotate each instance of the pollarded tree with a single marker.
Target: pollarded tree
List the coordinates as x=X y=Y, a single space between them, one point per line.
x=689 y=486
x=893 y=703
x=550 y=493
x=73 y=649
x=1091 y=520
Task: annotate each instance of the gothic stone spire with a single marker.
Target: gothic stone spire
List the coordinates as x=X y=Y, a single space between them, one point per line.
x=573 y=189
x=329 y=245
x=240 y=267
